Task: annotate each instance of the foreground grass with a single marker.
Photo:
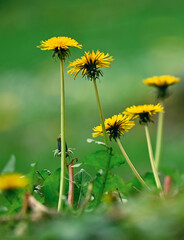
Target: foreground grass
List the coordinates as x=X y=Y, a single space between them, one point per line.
x=144 y=217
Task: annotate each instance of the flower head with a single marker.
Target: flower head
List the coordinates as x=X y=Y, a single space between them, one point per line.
x=115 y=126
x=162 y=83
x=143 y=112
x=90 y=64
x=60 y=46
x=12 y=181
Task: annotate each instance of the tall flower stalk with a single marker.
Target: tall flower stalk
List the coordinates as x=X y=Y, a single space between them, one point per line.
x=155 y=172
x=100 y=112
x=145 y=113
x=161 y=83
x=63 y=140
x=115 y=127
x=131 y=165
x=60 y=47
x=159 y=138
x=90 y=66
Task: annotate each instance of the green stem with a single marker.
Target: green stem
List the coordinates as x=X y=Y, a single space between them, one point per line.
x=100 y=112
x=159 y=138
x=131 y=165
x=63 y=146
x=155 y=173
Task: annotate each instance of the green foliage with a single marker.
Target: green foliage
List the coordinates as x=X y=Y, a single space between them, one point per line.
x=113 y=183
x=99 y=159
x=10 y=165
x=50 y=189
x=82 y=179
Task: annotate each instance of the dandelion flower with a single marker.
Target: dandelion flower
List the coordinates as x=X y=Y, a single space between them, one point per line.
x=115 y=126
x=12 y=181
x=161 y=83
x=60 y=46
x=143 y=112
x=90 y=64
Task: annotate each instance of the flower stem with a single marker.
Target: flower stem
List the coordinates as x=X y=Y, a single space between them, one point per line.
x=63 y=146
x=131 y=165
x=71 y=183
x=155 y=173
x=100 y=112
x=159 y=138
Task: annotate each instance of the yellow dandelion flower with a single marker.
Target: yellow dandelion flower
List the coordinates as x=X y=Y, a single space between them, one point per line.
x=90 y=64
x=12 y=181
x=162 y=83
x=143 y=112
x=115 y=126
x=60 y=46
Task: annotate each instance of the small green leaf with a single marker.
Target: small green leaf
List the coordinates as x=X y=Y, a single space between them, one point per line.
x=89 y=140
x=10 y=166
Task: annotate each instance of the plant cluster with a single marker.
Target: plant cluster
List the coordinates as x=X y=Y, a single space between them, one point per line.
x=77 y=191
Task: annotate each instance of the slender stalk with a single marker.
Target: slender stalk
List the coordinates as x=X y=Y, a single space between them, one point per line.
x=131 y=165
x=167 y=184
x=71 y=183
x=63 y=146
x=159 y=138
x=100 y=112
x=155 y=173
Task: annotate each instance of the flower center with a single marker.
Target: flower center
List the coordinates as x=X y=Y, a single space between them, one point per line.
x=61 y=53
x=144 y=118
x=92 y=70
x=114 y=130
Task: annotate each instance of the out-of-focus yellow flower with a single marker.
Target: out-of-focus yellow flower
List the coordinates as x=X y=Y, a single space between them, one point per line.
x=162 y=83
x=60 y=46
x=90 y=64
x=143 y=112
x=115 y=126
x=13 y=181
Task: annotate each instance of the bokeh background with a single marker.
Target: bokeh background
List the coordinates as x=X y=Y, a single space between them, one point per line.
x=146 y=38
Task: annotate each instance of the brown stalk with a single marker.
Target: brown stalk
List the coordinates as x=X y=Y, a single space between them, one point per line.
x=71 y=182
x=167 y=184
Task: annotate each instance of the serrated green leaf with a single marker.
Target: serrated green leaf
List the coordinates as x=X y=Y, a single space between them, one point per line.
x=113 y=183
x=10 y=166
x=100 y=158
x=51 y=189
x=82 y=178
x=51 y=186
x=116 y=160
x=32 y=175
x=12 y=200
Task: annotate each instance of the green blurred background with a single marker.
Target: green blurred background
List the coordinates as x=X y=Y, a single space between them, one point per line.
x=145 y=37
